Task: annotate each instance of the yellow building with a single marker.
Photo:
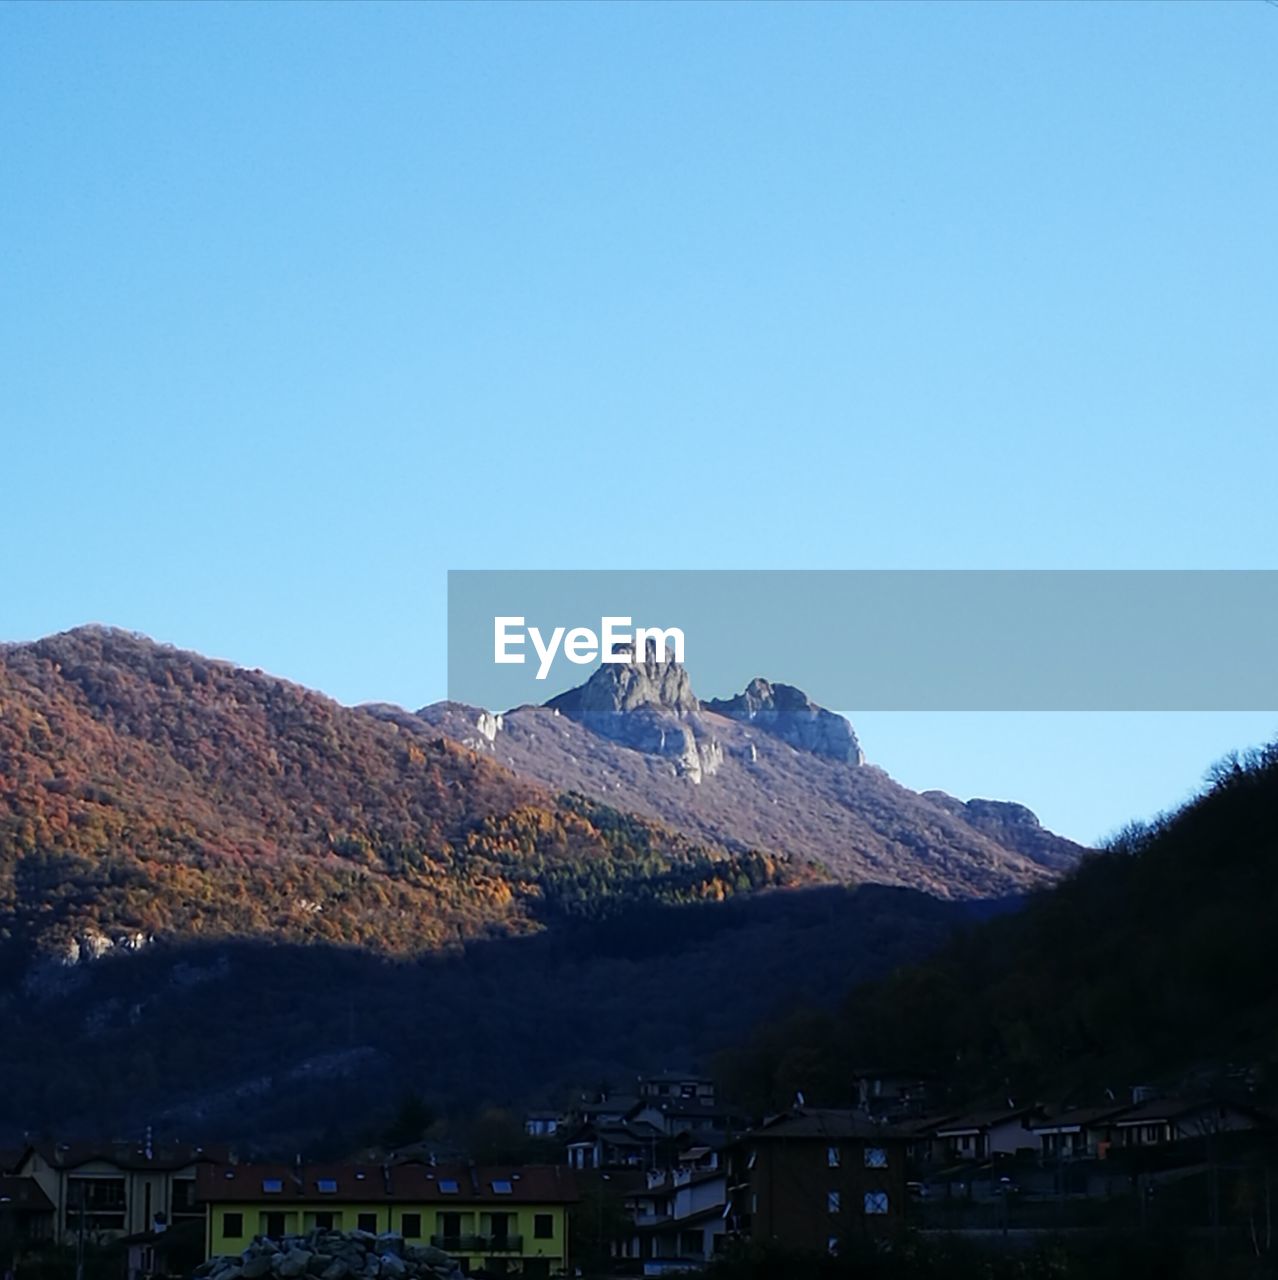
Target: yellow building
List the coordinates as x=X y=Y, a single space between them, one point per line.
x=503 y=1219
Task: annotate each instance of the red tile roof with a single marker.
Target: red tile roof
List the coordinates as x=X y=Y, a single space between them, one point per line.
x=376 y=1183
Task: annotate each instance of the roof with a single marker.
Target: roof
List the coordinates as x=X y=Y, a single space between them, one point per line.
x=1080 y=1116
x=379 y=1184
x=690 y=1107
x=820 y=1123
x=666 y=1225
x=1171 y=1108
x=621 y=1133
x=608 y=1106
x=126 y=1155
x=977 y=1120
x=23 y=1195
x=922 y=1126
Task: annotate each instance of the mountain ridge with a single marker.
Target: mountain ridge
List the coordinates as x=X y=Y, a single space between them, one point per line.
x=235 y=853
x=767 y=769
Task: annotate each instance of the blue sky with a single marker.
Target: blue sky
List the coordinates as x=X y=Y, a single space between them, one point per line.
x=304 y=305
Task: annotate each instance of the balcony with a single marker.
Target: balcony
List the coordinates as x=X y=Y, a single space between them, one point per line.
x=479 y=1244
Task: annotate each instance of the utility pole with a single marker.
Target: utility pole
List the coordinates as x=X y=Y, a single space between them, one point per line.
x=79 y=1238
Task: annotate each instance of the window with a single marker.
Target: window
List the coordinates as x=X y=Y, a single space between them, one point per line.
x=326 y=1185
x=832 y=1245
x=410 y=1225
x=273 y=1185
x=273 y=1225
x=97 y=1204
x=368 y=1222
x=833 y=1201
x=323 y=1222
x=448 y=1186
x=233 y=1226
x=502 y=1187
x=184 y=1196
x=875 y=1158
x=543 y=1226
x=690 y=1244
x=832 y=1158
x=876 y=1202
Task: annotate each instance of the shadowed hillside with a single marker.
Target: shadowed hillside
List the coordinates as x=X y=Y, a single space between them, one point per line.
x=1152 y=961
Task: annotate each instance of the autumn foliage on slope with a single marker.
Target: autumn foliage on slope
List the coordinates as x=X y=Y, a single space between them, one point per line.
x=148 y=790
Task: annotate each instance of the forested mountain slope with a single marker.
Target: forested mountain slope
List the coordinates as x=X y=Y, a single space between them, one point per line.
x=1154 y=961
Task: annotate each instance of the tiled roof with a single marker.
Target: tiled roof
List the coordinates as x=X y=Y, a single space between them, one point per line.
x=373 y=1183
x=127 y=1155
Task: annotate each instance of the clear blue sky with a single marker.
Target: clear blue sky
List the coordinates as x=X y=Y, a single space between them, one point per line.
x=304 y=305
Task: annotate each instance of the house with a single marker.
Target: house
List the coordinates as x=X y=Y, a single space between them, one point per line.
x=107 y=1190
x=675 y=1117
x=922 y=1146
x=1165 y=1120
x=604 y=1110
x=623 y=1144
x=892 y=1094
x=1075 y=1133
x=542 y=1124
x=671 y=1086
x=680 y=1220
x=812 y=1178
x=982 y=1134
x=504 y=1219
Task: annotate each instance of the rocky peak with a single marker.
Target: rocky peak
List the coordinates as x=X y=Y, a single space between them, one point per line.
x=789 y=714
x=648 y=705
x=618 y=688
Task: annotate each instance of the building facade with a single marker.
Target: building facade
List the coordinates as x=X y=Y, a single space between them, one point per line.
x=503 y=1220
x=106 y=1191
x=812 y=1179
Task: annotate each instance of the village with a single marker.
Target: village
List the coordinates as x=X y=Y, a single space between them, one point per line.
x=660 y=1180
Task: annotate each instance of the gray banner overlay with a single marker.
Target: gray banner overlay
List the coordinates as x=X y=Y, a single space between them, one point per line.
x=1193 y=640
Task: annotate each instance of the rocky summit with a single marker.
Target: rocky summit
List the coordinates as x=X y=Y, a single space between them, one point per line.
x=789 y=714
x=647 y=705
x=334 y=1255
x=768 y=769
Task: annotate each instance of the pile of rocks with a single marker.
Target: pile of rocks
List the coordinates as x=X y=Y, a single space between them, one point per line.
x=334 y=1255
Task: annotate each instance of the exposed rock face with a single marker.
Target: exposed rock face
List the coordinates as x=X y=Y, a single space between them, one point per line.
x=649 y=706
x=777 y=773
x=789 y=714
x=618 y=688
x=334 y=1255
x=1013 y=825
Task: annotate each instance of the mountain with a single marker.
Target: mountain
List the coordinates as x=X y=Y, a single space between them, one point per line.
x=767 y=769
x=233 y=908
x=1153 y=963
x=149 y=792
